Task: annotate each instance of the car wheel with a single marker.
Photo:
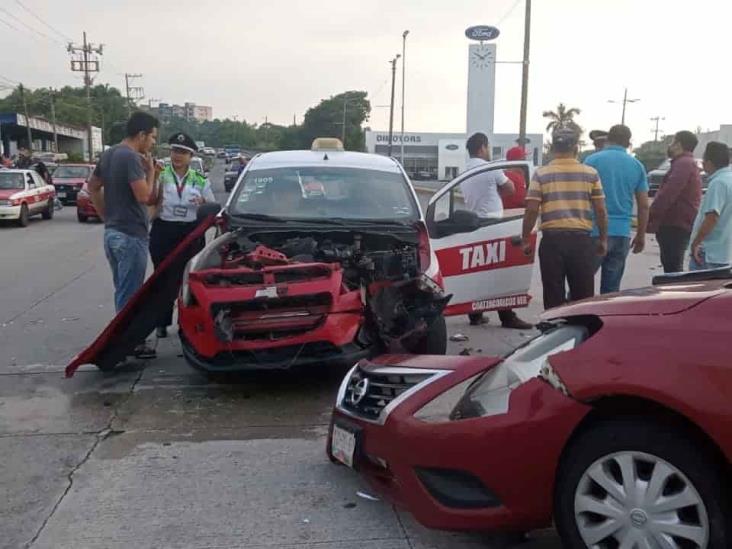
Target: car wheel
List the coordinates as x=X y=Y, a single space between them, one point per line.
x=48 y=212
x=81 y=217
x=24 y=216
x=434 y=341
x=634 y=483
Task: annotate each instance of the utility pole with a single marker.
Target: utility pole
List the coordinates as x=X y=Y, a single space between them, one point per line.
x=391 y=103
x=404 y=86
x=656 y=119
x=87 y=63
x=625 y=101
x=343 y=124
x=52 y=94
x=21 y=90
x=132 y=92
x=525 y=76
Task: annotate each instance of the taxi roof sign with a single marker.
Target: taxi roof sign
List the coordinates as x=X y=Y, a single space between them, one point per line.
x=327 y=144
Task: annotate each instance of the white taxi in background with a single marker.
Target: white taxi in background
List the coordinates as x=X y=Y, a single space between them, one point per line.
x=24 y=193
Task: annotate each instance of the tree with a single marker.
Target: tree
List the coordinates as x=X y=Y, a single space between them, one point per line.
x=562 y=118
x=652 y=153
x=326 y=120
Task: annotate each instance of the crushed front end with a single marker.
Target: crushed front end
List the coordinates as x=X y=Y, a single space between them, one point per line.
x=275 y=299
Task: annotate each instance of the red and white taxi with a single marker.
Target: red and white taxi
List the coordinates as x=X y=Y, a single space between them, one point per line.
x=24 y=193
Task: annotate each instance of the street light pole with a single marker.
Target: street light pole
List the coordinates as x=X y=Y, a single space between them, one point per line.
x=404 y=86
x=625 y=101
x=525 y=75
x=656 y=119
x=391 y=103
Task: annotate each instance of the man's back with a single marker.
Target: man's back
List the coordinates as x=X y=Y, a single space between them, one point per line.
x=481 y=191
x=118 y=167
x=622 y=176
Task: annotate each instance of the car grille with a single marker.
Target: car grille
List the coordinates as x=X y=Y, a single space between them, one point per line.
x=67 y=188
x=369 y=392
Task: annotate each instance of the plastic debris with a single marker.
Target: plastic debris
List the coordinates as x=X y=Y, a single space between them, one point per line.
x=459 y=337
x=366 y=496
x=465 y=352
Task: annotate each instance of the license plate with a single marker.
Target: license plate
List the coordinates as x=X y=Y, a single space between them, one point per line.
x=343 y=445
x=61 y=195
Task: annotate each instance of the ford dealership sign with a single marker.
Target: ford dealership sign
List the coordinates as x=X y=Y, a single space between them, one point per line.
x=482 y=33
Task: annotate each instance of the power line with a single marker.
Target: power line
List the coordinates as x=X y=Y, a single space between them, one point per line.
x=9 y=25
x=508 y=13
x=26 y=8
x=26 y=25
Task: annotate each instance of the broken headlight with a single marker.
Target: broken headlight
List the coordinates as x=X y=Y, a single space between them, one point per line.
x=488 y=393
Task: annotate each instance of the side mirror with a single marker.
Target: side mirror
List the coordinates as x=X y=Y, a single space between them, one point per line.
x=208 y=209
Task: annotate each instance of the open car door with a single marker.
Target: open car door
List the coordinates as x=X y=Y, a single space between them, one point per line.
x=138 y=318
x=481 y=260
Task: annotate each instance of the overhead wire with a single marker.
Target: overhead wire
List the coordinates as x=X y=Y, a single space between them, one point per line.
x=26 y=25
x=43 y=22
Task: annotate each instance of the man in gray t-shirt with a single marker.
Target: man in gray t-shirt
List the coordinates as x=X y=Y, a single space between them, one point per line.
x=120 y=189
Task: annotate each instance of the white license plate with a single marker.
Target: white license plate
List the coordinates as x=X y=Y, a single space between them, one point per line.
x=343 y=445
x=61 y=195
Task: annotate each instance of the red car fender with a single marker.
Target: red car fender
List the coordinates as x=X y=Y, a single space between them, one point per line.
x=688 y=378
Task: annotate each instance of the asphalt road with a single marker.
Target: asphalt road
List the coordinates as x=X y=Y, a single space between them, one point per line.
x=155 y=455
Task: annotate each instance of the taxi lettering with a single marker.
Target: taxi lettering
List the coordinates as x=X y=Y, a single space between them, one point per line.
x=485 y=253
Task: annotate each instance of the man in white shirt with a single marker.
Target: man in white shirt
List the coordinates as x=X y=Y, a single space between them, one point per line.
x=482 y=194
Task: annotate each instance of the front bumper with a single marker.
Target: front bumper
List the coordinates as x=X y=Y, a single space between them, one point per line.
x=67 y=194
x=9 y=212
x=511 y=459
x=85 y=207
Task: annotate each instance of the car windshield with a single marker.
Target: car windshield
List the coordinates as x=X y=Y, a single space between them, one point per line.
x=325 y=193
x=75 y=172
x=11 y=181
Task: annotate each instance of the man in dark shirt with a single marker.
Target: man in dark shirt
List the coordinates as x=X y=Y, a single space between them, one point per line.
x=120 y=190
x=676 y=203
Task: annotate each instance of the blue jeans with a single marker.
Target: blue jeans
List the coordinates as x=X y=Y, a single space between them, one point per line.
x=694 y=265
x=127 y=256
x=613 y=264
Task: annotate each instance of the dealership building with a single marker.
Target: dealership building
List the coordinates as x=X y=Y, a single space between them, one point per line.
x=442 y=155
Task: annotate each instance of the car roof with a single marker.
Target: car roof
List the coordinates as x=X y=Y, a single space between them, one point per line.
x=334 y=158
x=16 y=170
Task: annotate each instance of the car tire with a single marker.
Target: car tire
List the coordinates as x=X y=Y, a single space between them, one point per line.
x=81 y=217
x=48 y=212
x=649 y=451
x=434 y=341
x=24 y=217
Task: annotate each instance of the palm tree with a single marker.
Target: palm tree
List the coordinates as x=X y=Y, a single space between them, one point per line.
x=562 y=118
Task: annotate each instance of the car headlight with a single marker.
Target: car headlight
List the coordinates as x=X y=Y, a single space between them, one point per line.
x=205 y=259
x=488 y=393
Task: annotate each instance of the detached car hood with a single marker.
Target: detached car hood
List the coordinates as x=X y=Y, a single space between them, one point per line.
x=668 y=299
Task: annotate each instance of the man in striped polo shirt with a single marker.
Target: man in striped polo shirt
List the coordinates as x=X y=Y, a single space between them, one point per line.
x=566 y=194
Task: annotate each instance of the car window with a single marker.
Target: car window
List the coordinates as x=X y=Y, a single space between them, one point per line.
x=31 y=181
x=11 y=181
x=75 y=172
x=324 y=192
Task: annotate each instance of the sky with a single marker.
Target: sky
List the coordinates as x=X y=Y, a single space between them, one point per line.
x=254 y=59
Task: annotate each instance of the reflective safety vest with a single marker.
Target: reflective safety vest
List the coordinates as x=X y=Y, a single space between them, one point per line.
x=179 y=194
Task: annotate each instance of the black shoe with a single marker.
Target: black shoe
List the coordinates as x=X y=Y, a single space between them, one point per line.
x=144 y=351
x=161 y=332
x=515 y=323
x=476 y=319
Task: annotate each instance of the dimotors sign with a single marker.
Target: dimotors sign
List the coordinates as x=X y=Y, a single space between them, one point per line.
x=482 y=33
x=397 y=138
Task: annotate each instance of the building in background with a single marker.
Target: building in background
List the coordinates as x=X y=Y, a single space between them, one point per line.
x=71 y=139
x=443 y=155
x=189 y=111
x=723 y=135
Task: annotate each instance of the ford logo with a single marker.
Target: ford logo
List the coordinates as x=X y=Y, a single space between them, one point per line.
x=482 y=33
x=452 y=147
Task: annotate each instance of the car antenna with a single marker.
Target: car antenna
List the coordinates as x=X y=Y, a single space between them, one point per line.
x=325 y=156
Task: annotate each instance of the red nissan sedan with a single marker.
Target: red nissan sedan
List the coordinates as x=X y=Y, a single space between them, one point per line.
x=615 y=423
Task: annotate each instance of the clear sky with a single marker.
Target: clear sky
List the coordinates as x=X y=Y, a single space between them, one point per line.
x=276 y=58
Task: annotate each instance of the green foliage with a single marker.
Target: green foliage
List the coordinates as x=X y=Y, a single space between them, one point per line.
x=326 y=119
x=652 y=153
x=562 y=118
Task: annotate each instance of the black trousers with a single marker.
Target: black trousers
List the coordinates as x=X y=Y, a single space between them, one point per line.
x=164 y=237
x=673 y=242
x=567 y=257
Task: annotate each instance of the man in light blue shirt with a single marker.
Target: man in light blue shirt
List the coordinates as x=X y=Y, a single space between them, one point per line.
x=711 y=244
x=623 y=179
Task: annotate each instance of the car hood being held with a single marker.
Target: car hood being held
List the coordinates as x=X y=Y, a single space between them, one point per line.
x=653 y=300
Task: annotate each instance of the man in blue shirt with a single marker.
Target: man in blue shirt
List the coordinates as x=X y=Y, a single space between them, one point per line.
x=623 y=179
x=711 y=246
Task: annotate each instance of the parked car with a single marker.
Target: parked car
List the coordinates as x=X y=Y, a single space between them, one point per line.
x=23 y=194
x=620 y=440
x=655 y=177
x=231 y=175
x=68 y=179
x=84 y=207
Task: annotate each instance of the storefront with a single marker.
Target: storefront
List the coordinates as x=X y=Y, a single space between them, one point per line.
x=442 y=155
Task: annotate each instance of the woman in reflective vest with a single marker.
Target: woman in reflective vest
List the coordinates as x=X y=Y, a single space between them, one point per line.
x=179 y=192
